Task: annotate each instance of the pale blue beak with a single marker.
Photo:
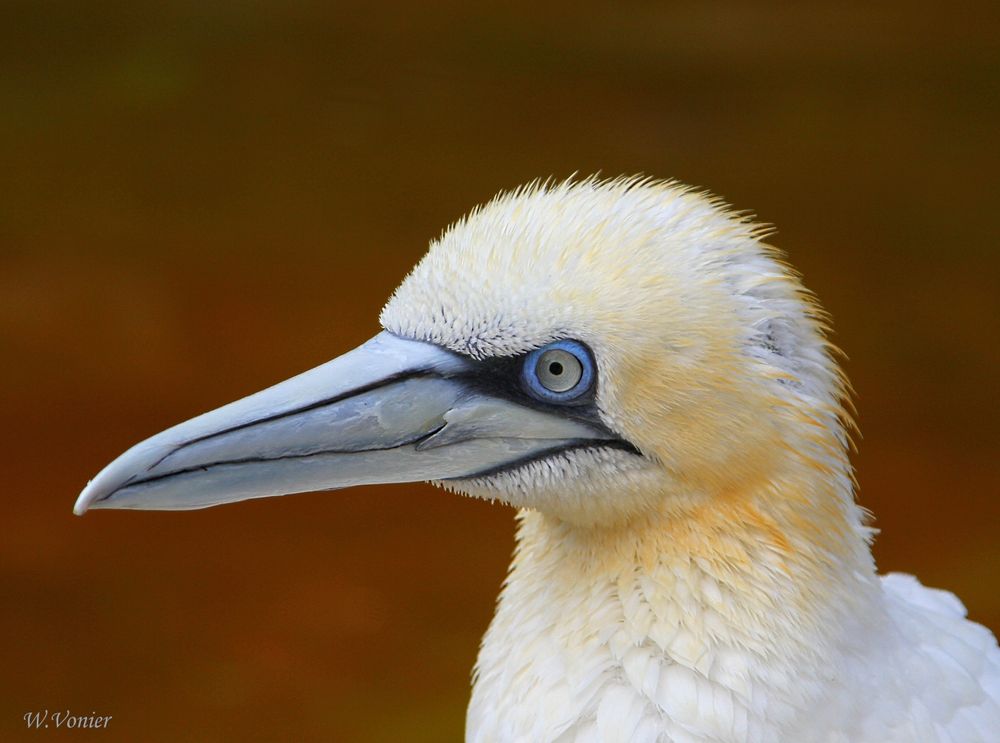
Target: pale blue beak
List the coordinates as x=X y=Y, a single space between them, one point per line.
x=392 y=410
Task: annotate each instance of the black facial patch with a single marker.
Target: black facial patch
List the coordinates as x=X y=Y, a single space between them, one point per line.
x=539 y=456
x=500 y=376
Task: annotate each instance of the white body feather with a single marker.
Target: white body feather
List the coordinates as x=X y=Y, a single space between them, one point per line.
x=672 y=656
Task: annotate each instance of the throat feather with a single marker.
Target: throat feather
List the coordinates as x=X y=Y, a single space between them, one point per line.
x=736 y=600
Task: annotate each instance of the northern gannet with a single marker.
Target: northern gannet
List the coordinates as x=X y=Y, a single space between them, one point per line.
x=629 y=365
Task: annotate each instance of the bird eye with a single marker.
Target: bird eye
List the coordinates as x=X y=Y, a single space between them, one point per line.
x=559 y=372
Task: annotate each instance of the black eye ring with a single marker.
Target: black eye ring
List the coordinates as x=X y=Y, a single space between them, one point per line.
x=558 y=372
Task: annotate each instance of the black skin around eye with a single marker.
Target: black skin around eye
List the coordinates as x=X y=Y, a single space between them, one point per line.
x=501 y=376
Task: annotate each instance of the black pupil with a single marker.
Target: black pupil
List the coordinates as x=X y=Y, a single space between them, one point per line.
x=556 y=368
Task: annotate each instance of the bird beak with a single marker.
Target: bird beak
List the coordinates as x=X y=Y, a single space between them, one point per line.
x=391 y=410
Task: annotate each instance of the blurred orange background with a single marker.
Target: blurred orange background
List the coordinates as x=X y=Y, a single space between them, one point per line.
x=200 y=199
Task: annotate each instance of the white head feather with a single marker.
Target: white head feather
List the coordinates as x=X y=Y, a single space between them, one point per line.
x=709 y=351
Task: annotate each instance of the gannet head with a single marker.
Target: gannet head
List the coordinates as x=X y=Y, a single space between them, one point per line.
x=590 y=349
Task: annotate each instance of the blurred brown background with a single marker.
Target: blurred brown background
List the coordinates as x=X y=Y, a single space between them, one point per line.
x=199 y=199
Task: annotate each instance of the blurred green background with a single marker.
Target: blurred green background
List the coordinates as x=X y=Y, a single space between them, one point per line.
x=199 y=199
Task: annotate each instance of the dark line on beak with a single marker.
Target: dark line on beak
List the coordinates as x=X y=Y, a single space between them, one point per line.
x=260 y=460
x=371 y=386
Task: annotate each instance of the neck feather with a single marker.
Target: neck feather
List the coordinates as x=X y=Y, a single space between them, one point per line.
x=740 y=592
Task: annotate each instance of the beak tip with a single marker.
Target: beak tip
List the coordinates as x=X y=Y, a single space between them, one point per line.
x=86 y=499
x=80 y=507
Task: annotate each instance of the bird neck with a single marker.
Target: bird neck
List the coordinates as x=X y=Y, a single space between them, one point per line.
x=742 y=590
